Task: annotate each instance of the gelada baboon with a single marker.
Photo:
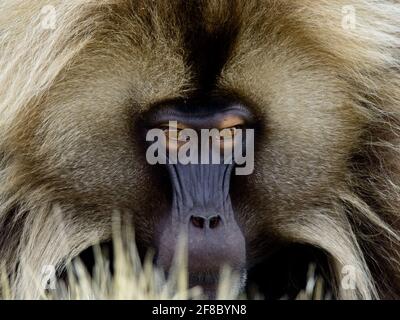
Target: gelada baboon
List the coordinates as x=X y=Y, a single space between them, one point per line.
x=81 y=82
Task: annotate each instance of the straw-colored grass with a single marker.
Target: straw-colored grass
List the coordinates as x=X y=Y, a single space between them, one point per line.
x=133 y=279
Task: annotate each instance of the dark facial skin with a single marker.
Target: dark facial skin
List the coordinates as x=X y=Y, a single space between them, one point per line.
x=201 y=206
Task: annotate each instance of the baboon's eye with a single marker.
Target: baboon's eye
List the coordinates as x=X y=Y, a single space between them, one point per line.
x=227 y=134
x=231 y=122
x=173 y=135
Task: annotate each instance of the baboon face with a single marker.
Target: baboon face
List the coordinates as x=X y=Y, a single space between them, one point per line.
x=91 y=129
x=241 y=65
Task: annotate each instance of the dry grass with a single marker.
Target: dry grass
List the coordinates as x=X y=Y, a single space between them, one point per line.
x=133 y=279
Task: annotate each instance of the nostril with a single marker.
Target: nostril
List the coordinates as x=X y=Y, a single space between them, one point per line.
x=197 y=221
x=215 y=222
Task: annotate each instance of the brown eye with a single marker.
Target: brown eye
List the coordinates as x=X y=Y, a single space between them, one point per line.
x=227 y=134
x=226 y=137
x=173 y=135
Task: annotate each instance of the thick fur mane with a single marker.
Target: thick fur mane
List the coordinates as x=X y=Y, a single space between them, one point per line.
x=39 y=227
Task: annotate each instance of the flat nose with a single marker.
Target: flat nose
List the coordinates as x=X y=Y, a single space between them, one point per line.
x=213 y=241
x=203 y=222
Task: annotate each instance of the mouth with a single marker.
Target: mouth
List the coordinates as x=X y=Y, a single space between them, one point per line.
x=207 y=281
x=289 y=273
